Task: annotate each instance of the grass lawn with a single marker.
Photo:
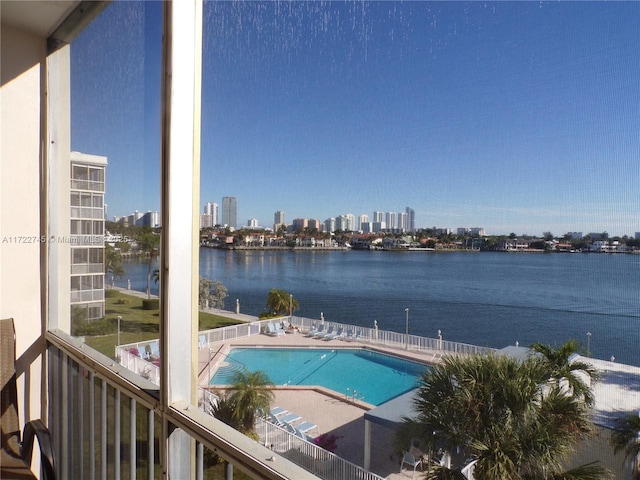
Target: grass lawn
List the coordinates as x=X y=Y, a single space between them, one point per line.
x=136 y=324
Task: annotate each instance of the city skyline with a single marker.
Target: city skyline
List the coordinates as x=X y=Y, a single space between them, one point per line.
x=518 y=117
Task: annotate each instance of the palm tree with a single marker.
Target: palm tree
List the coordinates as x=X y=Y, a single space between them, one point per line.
x=502 y=412
x=148 y=243
x=564 y=370
x=280 y=301
x=250 y=392
x=113 y=263
x=626 y=437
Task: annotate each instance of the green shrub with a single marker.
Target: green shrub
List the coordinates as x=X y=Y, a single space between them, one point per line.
x=151 y=304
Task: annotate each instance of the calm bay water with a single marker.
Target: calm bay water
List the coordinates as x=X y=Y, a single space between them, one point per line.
x=489 y=299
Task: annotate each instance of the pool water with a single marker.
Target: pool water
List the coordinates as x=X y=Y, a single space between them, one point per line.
x=376 y=377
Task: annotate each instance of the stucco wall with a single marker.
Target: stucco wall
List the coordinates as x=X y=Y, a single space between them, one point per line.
x=22 y=57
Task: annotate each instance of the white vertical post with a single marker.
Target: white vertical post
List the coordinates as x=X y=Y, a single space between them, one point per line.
x=182 y=59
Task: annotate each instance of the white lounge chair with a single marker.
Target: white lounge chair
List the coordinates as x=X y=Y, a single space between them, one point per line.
x=337 y=334
x=273 y=330
x=319 y=331
x=323 y=335
x=412 y=461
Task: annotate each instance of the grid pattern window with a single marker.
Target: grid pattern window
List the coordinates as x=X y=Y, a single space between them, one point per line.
x=87 y=236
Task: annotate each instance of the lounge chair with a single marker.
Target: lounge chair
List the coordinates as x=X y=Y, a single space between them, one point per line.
x=323 y=335
x=16 y=452
x=468 y=470
x=289 y=418
x=155 y=349
x=349 y=336
x=305 y=427
x=412 y=461
x=319 y=331
x=337 y=334
x=275 y=411
x=272 y=330
x=312 y=331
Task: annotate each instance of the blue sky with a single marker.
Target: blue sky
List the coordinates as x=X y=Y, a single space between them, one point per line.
x=518 y=117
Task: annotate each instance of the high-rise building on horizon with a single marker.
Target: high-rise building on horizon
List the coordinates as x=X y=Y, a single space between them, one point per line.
x=411 y=219
x=362 y=219
x=315 y=224
x=402 y=222
x=212 y=208
x=391 y=220
x=378 y=216
x=230 y=212
x=300 y=224
x=351 y=222
x=330 y=225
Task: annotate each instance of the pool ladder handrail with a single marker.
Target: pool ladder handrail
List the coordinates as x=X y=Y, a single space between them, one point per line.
x=354 y=395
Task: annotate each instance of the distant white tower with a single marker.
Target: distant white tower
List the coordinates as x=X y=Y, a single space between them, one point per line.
x=362 y=219
x=391 y=220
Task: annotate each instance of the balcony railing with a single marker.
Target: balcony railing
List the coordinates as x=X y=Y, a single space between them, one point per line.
x=78 y=296
x=107 y=423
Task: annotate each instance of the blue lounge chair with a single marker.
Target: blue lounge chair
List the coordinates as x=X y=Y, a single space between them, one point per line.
x=337 y=334
x=349 y=336
x=323 y=335
x=319 y=332
x=312 y=331
x=275 y=411
x=305 y=427
x=289 y=418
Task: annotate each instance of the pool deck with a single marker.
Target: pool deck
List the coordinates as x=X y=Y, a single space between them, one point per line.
x=617 y=392
x=331 y=411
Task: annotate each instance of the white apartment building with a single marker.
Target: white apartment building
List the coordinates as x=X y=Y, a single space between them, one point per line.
x=211 y=208
x=86 y=216
x=362 y=219
x=390 y=219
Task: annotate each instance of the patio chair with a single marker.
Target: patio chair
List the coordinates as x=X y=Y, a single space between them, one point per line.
x=15 y=456
x=323 y=335
x=275 y=411
x=319 y=331
x=272 y=330
x=412 y=461
x=337 y=334
x=305 y=427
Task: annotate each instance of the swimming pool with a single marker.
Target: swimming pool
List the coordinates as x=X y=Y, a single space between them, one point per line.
x=376 y=377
